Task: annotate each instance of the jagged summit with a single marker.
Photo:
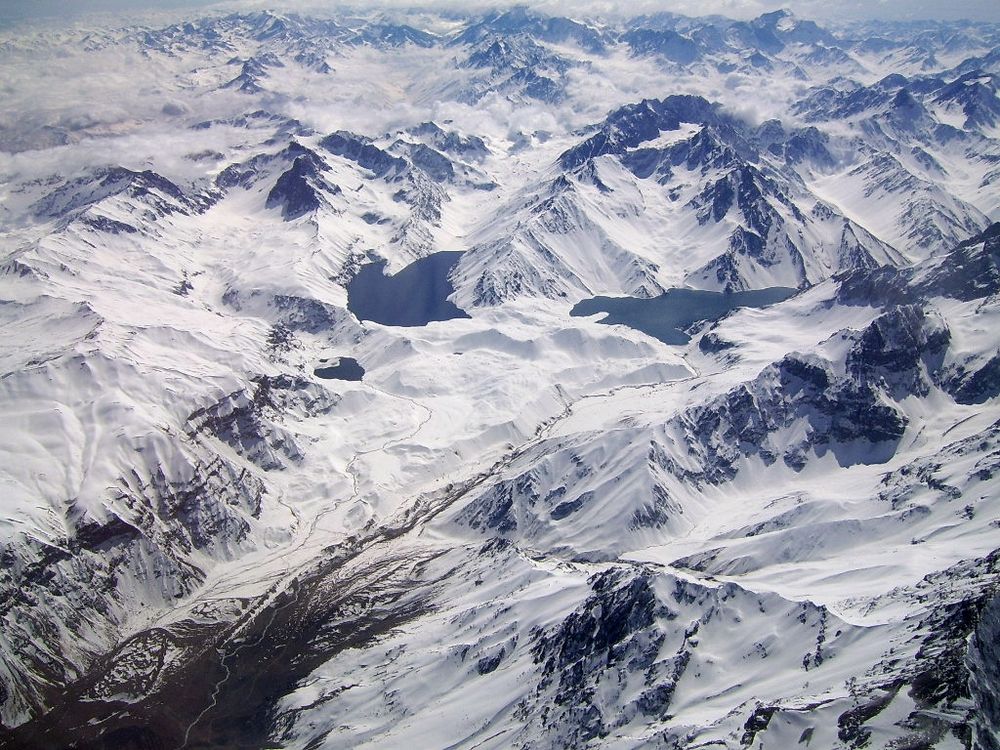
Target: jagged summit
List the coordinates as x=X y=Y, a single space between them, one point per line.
x=521 y=20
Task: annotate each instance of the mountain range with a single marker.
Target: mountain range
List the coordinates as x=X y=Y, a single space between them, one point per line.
x=311 y=436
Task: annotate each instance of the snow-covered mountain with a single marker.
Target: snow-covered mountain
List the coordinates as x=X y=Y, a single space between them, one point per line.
x=310 y=440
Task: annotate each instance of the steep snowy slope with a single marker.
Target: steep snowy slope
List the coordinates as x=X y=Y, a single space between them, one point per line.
x=667 y=192
x=909 y=163
x=238 y=512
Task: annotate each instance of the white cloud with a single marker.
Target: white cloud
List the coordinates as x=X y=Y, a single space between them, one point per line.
x=983 y=10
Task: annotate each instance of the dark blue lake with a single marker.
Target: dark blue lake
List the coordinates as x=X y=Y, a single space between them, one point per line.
x=665 y=317
x=415 y=296
x=346 y=369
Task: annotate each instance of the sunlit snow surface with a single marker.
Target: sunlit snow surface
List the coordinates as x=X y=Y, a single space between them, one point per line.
x=520 y=528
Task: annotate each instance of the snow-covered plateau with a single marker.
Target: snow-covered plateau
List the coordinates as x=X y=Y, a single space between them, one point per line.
x=309 y=437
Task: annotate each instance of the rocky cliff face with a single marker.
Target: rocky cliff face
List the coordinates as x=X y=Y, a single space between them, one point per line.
x=983 y=678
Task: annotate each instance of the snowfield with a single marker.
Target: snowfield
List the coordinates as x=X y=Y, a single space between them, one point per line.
x=520 y=528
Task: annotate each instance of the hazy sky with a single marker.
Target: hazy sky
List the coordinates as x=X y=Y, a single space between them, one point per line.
x=985 y=10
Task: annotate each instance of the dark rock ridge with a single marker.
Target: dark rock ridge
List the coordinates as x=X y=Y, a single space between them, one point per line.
x=639 y=633
x=836 y=412
x=902 y=351
x=517 y=66
x=666 y=43
x=152 y=197
x=246 y=419
x=983 y=663
x=968 y=272
x=365 y=154
x=414 y=186
x=897 y=355
x=450 y=142
x=289 y=312
x=390 y=35
x=434 y=163
x=297 y=190
x=522 y=21
x=975 y=93
x=248 y=173
x=975 y=382
x=253 y=71
x=629 y=126
x=618 y=632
